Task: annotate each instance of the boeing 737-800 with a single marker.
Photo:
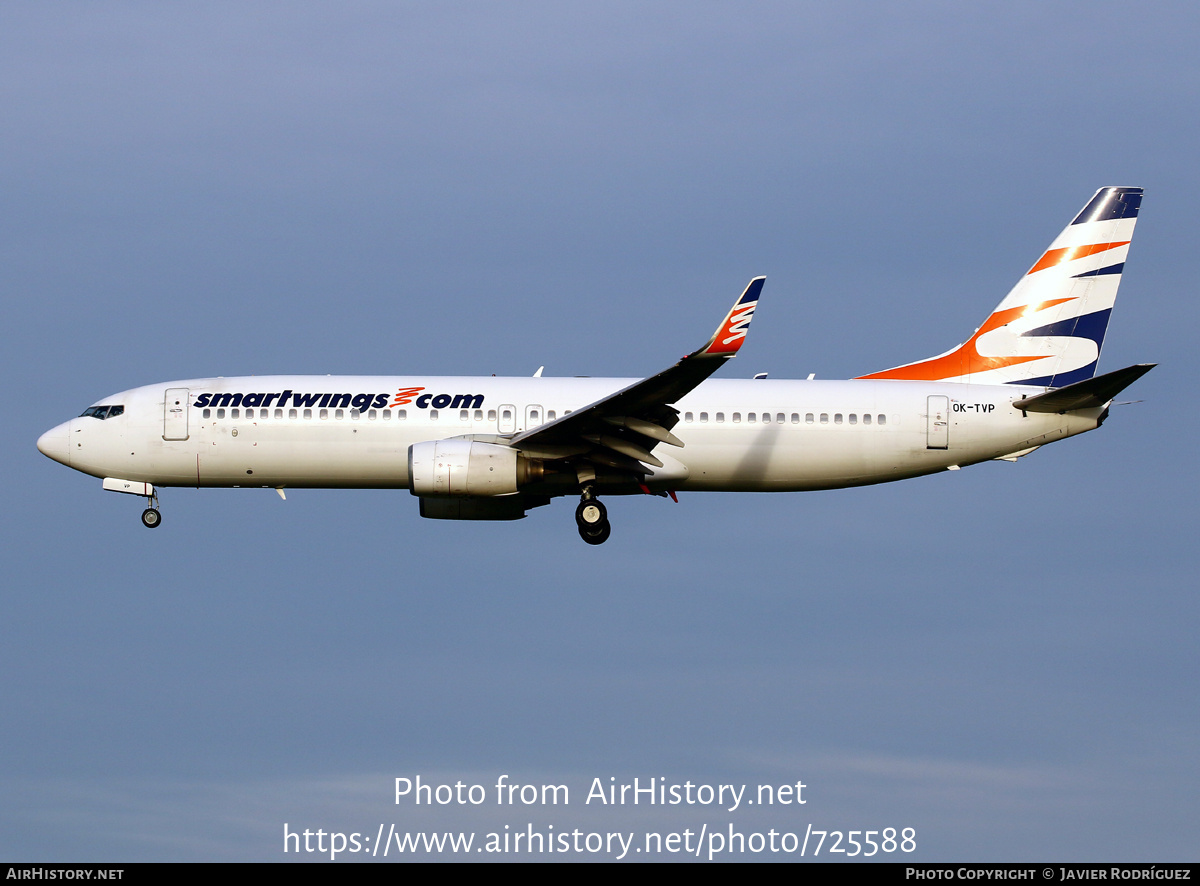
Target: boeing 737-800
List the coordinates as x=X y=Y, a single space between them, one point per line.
x=492 y=448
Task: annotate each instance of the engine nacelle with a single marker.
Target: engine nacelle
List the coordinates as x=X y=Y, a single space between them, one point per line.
x=466 y=467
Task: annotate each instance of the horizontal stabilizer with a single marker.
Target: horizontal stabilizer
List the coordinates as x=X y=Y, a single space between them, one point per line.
x=1087 y=394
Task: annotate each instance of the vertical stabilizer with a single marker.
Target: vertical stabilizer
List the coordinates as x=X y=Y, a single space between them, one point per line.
x=1050 y=328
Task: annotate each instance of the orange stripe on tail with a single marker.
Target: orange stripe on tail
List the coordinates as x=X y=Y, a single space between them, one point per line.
x=966 y=359
x=1060 y=256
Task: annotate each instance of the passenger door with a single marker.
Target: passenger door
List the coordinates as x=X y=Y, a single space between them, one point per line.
x=175 y=414
x=937 y=428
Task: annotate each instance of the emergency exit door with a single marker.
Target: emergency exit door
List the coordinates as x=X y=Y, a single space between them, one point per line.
x=507 y=423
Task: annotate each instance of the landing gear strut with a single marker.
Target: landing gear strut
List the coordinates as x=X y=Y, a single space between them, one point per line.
x=151 y=518
x=592 y=519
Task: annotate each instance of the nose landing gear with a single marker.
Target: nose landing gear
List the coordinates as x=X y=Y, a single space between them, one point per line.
x=150 y=517
x=592 y=519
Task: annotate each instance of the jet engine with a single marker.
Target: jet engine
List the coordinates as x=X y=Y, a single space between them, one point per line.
x=468 y=467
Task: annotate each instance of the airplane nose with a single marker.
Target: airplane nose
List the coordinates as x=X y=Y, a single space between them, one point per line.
x=56 y=444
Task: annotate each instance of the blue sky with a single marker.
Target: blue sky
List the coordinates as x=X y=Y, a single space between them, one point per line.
x=1002 y=658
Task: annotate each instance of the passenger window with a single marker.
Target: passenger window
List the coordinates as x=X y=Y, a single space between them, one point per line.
x=867 y=419
x=387 y=414
x=507 y=416
x=704 y=416
x=279 y=413
x=824 y=418
x=534 y=417
x=308 y=413
x=491 y=415
x=853 y=418
x=208 y=413
x=291 y=413
x=882 y=419
x=371 y=414
x=433 y=414
x=720 y=416
x=324 y=414
x=355 y=414
x=751 y=417
x=837 y=418
x=220 y=413
x=551 y=415
x=687 y=416
x=808 y=418
x=464 y=415
x=737 y=417
x=779 y=418
x=402 y=414
x=233 y=413
x=478 y=415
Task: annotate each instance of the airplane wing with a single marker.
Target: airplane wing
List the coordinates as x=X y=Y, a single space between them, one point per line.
x=619 y=430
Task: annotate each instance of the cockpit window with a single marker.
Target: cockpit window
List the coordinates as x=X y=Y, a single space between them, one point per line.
x=102 y=412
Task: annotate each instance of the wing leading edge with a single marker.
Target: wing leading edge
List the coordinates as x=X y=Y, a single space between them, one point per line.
x=620 y=430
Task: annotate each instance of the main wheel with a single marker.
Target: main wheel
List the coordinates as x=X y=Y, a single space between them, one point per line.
x=590 y=514
x=151 y=518
x=596 y=535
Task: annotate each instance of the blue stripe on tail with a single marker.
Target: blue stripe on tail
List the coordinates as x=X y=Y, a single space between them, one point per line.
x=1091 y=326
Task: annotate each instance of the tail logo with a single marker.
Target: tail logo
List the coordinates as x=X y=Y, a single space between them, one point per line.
x=1049 y=329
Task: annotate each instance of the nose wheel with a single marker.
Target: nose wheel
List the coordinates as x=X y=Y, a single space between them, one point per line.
x=151 y=518
x=592 y=518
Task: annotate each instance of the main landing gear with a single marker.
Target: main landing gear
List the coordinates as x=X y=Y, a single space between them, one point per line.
x=151 y=518
x=592 y=517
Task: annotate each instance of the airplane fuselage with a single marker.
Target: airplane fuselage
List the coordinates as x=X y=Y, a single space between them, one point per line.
x=739 y=435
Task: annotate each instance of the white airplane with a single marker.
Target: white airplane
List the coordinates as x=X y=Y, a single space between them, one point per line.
x=492 y=448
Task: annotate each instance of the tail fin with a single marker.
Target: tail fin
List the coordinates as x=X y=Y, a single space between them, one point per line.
x=1050 y=328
